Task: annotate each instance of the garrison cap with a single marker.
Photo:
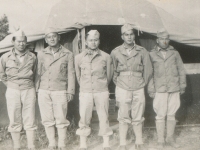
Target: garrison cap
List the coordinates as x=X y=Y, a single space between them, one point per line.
x=19 y=33
x=50 y=30
x=126 y=27
x=162 y=33
x=93 y=33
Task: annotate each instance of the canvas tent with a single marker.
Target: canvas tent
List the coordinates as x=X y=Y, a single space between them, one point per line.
x=75 y=18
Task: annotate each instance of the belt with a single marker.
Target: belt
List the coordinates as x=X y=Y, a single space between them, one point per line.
x=131 y=73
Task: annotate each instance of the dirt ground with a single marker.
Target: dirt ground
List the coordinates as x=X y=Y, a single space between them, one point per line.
x=187 y=137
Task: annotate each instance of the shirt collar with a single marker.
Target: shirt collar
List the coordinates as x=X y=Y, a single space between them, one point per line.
x=93 y=51
x=160 y=49
x=14 y=52
x=129 y=48
x=59 y=48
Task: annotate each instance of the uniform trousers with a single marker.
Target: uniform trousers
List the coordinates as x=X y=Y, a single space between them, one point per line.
x=53 y=108
x=166 y=104
x=86 y=104
x=21 y=109
x=131 y=105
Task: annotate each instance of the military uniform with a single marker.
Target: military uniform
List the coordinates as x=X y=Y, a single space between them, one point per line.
x=93 y=75
x=132 y=71
x=54 y=80
x=168 y=81
x=17 y=73
x=131 y=74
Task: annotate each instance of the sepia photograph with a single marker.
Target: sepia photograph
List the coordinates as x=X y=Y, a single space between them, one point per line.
x=99 y=74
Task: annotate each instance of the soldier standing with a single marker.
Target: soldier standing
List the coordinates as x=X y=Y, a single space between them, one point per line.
x=17 y=69
x=56 y=83
x=94 y=72
x=132 y=71
x=169 y=81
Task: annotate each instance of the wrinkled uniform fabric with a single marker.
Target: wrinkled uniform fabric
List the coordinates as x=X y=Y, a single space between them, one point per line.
x=168 y=73
x=20 y=94
x=21 y=109
x=18 y=75
x=55 y=79
x=53 y=108
x=166 y=104
x=93 y=74
x=131 y=105
x=168 y=80
x=131 y=73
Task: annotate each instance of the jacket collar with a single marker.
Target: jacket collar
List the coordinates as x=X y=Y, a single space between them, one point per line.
x=12 y=54
x=169 y=52
x=96 y=52
x=135 y=51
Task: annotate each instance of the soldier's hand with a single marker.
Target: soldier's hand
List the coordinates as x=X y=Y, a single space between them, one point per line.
x=69 y=97
x=182 y=92
x=152 y=95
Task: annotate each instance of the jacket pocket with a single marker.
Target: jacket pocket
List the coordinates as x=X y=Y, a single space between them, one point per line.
x=63 y=69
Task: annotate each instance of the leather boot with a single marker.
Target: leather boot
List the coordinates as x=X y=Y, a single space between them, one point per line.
x=160 y=127
x=16 y=140
x=50 y=132
x=171 y=124
x=30 y=139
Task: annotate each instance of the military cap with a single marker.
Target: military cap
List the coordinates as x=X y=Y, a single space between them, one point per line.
x=93 y=33
x=50 y=30
x=126 y=27
x=19 y=33
x=162 y=33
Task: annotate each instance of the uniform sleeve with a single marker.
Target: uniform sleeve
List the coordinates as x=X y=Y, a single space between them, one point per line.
x=181 y=71
x=3 y=75
x=115 y=63
x=77 y=69
x=71 y=75
x=109 y=70
x=38 y=67
x=147 y=74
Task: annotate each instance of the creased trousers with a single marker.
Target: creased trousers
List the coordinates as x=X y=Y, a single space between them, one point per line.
x=131 y=105
x=21 y=109
x=53 y=108
x=86 y=104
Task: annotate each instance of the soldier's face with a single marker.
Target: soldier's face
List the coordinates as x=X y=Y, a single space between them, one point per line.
x=163 y=42
x=128 y=37
x=92 y=42
x=52 y=39
x=20 y=43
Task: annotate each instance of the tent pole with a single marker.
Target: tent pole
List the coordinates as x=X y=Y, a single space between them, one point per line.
x=83 y=38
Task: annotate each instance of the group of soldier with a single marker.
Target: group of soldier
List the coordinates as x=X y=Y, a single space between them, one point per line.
x=51 y=76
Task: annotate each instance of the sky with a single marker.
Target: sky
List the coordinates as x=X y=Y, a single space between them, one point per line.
x=21 y=12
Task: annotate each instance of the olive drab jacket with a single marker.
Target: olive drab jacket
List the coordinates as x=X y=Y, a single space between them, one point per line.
x=18 y=75
x=137 y=63
x=168 y=73
x=93 y=73
x=55 y=73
